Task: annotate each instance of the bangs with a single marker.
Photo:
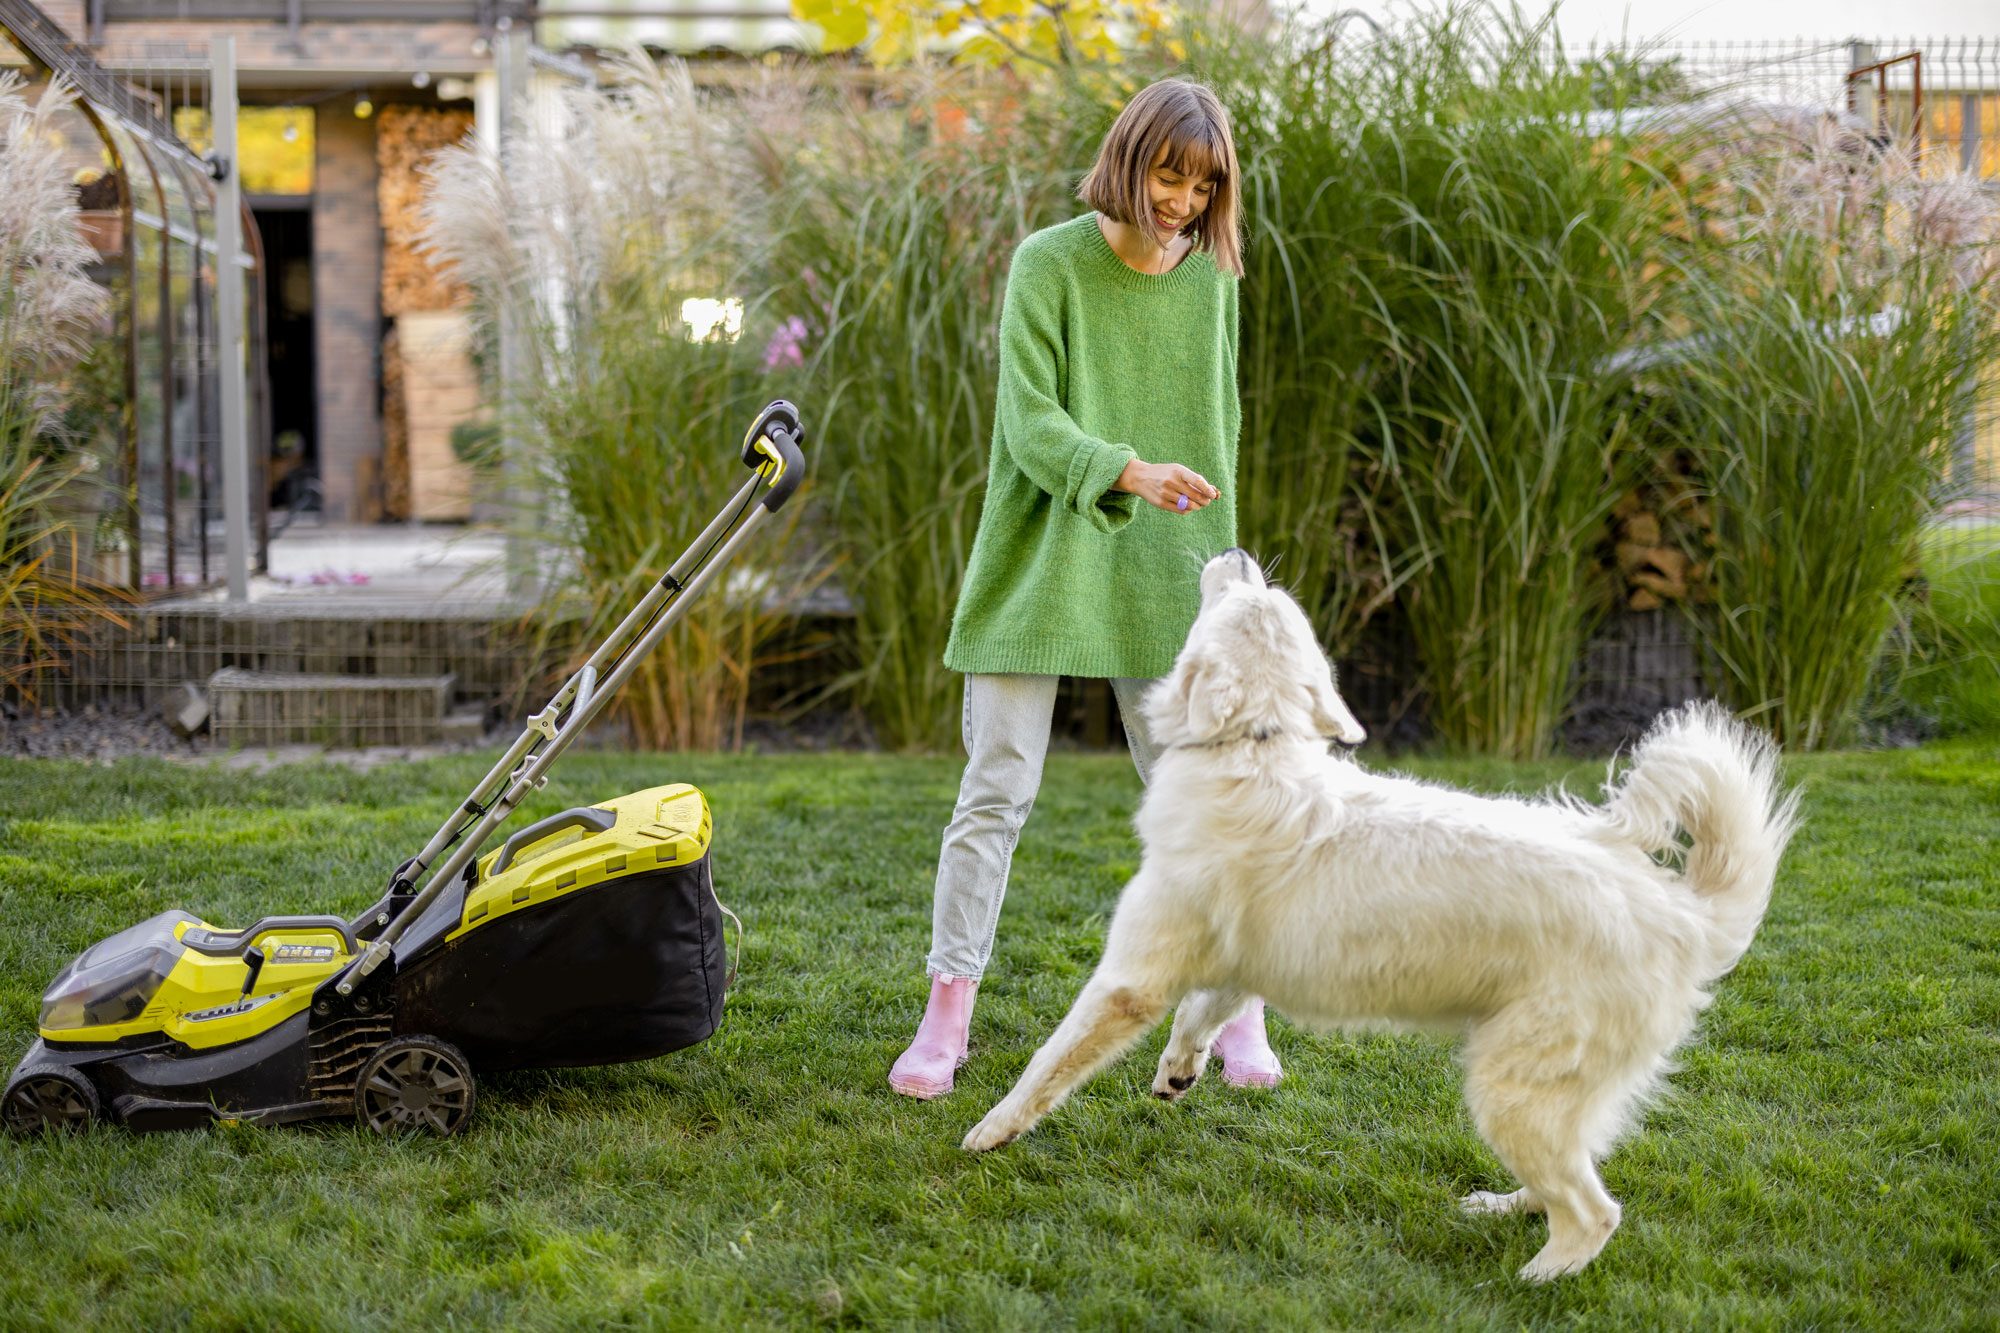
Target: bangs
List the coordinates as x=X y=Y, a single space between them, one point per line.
x=1195 y=149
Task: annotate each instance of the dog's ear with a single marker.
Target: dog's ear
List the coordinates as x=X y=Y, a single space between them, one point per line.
x=1331 y=715
x=1214 y=697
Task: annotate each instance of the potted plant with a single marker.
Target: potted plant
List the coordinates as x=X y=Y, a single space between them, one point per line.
x=100 y=204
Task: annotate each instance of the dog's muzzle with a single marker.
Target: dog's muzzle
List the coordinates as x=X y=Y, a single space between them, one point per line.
x=1232 y=566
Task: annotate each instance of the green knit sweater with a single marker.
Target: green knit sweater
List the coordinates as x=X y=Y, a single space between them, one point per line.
x=1099 y=364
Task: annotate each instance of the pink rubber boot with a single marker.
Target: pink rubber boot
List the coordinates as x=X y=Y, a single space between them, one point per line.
x=1247 y=1058
x=926 y=1069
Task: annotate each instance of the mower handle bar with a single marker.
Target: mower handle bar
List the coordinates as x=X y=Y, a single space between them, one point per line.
x=773 y=448
x=582 y=816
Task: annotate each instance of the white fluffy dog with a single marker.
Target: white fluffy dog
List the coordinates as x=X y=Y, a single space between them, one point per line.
x=1572 y=944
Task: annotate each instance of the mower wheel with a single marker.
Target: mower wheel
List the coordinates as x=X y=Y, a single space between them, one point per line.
x=48 y=1097
x=415 y=1083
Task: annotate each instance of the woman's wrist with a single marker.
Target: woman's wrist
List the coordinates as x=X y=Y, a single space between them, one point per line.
x=1128 y=480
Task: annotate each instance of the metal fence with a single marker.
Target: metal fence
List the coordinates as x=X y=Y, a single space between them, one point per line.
x=1941 y=94
x=346 y=671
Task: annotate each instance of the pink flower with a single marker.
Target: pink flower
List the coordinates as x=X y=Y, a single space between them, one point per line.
x=787 y=345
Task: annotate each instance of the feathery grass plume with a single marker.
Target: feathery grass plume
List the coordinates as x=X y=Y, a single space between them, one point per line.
x=1833 y=324
x=50 y=310
x=613 y=207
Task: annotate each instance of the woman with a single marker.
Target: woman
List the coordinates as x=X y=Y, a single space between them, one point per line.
x=1118 y=336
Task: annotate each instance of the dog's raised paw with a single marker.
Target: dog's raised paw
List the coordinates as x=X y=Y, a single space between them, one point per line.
x=989 y=1134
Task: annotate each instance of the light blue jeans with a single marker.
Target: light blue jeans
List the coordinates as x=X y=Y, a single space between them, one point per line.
x=1006 y=730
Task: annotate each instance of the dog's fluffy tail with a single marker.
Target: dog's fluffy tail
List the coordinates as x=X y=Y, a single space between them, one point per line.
x=1700 y=772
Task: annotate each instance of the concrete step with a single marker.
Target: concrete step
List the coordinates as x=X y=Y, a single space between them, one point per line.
x=465 y=723
x=282 y=708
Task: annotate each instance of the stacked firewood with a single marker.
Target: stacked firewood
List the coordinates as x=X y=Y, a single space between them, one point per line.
x=406 y=137
x=1654 y=528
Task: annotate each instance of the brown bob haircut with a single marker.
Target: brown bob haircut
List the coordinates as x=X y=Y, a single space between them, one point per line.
x=1188 y=122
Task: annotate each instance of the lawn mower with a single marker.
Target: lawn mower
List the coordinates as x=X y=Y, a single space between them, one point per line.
x=591 y=937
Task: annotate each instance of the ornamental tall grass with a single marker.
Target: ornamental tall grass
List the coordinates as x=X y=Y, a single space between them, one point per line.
x=1313 y=330
x=893 y=256
x=611 y=209
x=49 y=310
x=1831 y=311
x=1820 y=408
x=1446 y=261
x=1466 y=321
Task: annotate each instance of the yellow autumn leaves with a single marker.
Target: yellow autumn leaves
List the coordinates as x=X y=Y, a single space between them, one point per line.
x=1049 y=33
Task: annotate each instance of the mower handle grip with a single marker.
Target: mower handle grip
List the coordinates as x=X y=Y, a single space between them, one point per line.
x=583 y=816
x=772 y=445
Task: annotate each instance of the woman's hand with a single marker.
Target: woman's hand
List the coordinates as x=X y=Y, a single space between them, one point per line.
x=1168 y=486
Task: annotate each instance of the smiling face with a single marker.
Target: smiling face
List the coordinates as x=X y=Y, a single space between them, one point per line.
x=1168 y=168
x=1175 y=196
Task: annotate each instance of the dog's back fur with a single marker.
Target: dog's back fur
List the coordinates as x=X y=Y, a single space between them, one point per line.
x=1572 y=943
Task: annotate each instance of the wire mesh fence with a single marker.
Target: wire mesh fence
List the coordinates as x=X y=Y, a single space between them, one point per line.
x=347 y=672
x=1941 y=95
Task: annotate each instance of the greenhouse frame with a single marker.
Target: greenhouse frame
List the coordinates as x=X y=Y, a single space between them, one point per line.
x=148 y=395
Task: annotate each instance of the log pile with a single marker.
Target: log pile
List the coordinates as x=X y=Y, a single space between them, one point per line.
x=440 y=390
x=428 y=382
x=1654 y=528
x=406 y=136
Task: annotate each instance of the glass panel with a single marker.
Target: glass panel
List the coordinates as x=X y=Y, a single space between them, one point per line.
x=208 y=378
x=256 y=399
x=192 y=436
x=1989 y=135
x=151 y=420
x=180 y=215
x=1944 y=131
x=274 y=145
x=87 y=159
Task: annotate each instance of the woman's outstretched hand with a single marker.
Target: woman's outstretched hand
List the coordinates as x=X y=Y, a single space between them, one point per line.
x=1168 y=486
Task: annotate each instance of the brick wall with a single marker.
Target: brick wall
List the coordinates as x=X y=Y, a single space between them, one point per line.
x=347 y=306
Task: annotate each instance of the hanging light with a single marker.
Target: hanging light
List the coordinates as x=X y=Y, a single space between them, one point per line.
x=363 y=107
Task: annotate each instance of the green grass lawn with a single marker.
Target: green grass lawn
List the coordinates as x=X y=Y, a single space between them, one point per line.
x=1829 y=1155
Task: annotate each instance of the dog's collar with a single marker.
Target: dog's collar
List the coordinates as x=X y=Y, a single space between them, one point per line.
x=1254 y=738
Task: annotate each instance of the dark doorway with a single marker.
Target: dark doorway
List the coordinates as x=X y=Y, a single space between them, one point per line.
x=286 y=228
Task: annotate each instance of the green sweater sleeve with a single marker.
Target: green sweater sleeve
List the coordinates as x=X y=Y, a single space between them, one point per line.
x=1052 y=451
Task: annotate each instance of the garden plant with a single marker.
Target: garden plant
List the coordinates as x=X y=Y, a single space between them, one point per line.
x=49 y=311
x=1492 y=288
